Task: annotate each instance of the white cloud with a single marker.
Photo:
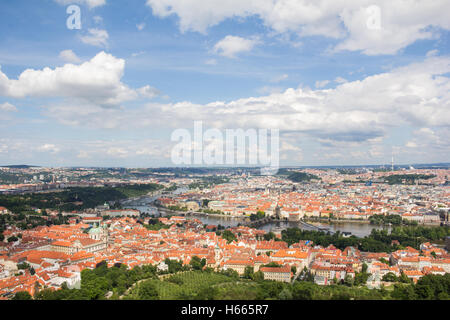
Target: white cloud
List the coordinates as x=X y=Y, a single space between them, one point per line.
x=230 y=46
x=83 y=154
x=211 y=62
x=321 y=84
x=340 y=80
x=269 y=90
x=96 y=37
x=280 y=78
x=117 y=152
x=353 y=113
x=48 y=148
x=402 y=22
x=8 y=107
x=98 y=19
x=136 y=54
x=97 y=81
x=69 y=56
x=432 y=53
x=90 y=3
x=290 y=151
x=148 y=92
x=140 y=26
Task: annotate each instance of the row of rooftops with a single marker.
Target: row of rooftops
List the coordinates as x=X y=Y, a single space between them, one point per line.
x=130 y=243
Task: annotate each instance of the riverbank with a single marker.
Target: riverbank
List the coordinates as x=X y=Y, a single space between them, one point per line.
x=355 y=227
x=336 y=221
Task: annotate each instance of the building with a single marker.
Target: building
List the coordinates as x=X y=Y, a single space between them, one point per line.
x=122 y=213
x=71 y=247
x=92 y=221
x=237 y=265
x=297 y=257
x=282 y=274
x=3 y=210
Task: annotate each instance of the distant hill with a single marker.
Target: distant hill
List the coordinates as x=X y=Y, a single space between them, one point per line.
x=302 y=176
x=20 y=166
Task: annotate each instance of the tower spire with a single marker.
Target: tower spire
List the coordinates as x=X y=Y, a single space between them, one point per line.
x=392 y=162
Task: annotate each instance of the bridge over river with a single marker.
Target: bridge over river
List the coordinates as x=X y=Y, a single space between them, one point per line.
x=245 y=221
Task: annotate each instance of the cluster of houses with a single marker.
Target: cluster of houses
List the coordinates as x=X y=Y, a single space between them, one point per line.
x=424 y=204
x=47 y=257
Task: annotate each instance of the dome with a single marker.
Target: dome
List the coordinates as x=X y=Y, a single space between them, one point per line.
x=95 y=231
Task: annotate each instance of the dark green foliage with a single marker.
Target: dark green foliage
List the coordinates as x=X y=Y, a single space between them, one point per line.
x=96 y=283
x=74 y=198
x=174 y=265
x=202 y=285
x=302 y=176
x=23 y=266
x=377 y=241
x=379 y=219
x=155 y=225
x=408 y=178
x=433 y=287
x=12 y=239
x=269 y=236
x=249 y=273
x=147 y=291
x=389 y=277
x=229 y=236
x=259 y=215
x=197 y=263
x=22 y=295
x=208 y=181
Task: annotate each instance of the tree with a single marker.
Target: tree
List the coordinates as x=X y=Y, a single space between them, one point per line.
x=147 y=291
x=269 y=236
x=286 y=294
x=12 y=239
x=303 y=291
x=433 y=287
x=249 y=273
x=348 y=280
x=196 y=263
x=174 y=266
x=361 y=278
x=23 y=266
x=22 y=295
x=258 y=276
x=207 y=293
x=403 y=292
x=294 y=270
x=390 y=277
x=364 y=268
x=404 y=278
x=229 y=236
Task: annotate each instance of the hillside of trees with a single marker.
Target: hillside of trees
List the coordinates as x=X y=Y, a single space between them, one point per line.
x=197 y=283
x=74 y=198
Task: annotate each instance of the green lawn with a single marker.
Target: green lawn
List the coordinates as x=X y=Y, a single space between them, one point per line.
x=186 y=284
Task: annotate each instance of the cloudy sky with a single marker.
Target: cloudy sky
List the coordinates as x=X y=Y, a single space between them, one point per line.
x=345 y=82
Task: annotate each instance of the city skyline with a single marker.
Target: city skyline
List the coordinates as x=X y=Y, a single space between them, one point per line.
x=346 y=83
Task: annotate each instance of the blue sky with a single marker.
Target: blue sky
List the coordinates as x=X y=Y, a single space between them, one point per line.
x=339 y=91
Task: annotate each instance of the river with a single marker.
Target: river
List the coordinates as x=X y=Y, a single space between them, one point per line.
x=144 y=204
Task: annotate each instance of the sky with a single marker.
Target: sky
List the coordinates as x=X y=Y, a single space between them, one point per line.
x=344 y=82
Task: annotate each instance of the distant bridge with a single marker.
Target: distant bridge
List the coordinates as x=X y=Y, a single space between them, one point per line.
x=315 y=227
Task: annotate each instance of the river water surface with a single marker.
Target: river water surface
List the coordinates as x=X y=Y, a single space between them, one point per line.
x=144 y=204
